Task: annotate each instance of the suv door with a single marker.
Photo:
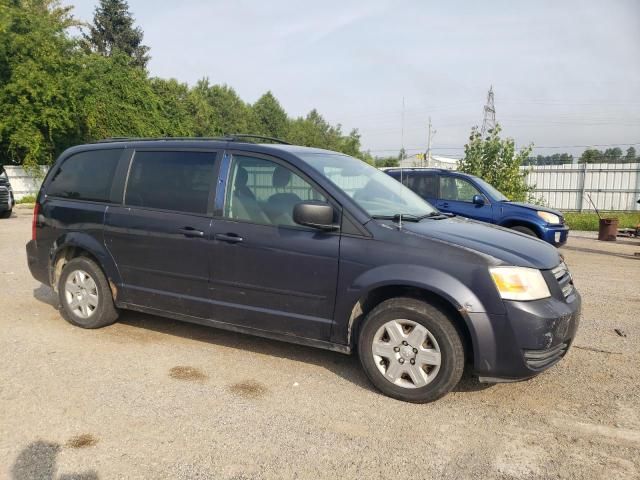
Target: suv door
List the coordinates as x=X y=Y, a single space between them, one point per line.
x=159 y=236
x=424 y=184
x=456 y=196
x=267 y=272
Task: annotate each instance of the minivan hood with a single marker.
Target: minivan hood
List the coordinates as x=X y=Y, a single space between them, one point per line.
x=512 y=248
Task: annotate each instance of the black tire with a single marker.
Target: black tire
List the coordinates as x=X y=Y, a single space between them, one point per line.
x=6 y=213
x=525 y=230
x=439 y=324
x=105 y=312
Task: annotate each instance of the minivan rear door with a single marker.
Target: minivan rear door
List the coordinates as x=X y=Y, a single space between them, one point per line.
x=159 y=236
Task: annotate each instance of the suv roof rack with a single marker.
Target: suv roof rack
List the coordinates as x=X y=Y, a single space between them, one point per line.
x=234 y=137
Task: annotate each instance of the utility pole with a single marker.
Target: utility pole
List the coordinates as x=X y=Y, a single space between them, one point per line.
x=489 y=121
x=430 y=136
x=402 y=128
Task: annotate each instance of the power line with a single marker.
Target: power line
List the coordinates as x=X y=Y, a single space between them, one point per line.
x=421 y=149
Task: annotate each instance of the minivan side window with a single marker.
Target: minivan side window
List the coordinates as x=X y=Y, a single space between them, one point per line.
x=173 y=180
x=265 y=192
x=458 y=189
x=86 y=176
x=425 y=185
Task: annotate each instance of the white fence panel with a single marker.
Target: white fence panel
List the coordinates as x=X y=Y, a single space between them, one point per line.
x=23 y=182
x=611 y=186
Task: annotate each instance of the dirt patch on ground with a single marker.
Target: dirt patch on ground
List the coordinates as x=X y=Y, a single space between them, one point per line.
x=249 y=389
x=187 y=373
x=82 y=441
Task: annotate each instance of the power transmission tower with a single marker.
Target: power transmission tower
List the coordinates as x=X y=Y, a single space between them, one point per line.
x=489 y=121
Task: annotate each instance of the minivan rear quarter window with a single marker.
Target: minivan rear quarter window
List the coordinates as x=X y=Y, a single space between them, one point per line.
x=86 y=176
x=178 y=180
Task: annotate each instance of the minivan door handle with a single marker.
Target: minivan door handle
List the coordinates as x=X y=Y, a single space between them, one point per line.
x=229 y=237
x=191 y=232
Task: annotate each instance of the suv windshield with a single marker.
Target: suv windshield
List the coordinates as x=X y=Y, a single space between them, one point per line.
x=376 y=192
x=491 y=190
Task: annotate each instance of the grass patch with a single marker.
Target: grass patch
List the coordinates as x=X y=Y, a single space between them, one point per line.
x=589 y=220
x=27 y=199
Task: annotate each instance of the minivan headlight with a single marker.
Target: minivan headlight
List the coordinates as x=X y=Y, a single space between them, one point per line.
x=519 y=283
x=549 y=217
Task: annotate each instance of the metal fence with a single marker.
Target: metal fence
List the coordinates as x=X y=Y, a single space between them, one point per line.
x=24 y=182
x=611 y=186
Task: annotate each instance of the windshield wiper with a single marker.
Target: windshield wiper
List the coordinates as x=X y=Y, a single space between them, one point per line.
x=408 y=217
x=438 y=215
x=405 y=217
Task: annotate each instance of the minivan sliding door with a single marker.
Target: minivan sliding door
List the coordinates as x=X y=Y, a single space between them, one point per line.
x=159 y=237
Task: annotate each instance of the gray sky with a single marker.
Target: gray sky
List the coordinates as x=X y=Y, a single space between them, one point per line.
x=565 y=73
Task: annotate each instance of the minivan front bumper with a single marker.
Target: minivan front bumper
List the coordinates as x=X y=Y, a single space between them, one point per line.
x=530 y=338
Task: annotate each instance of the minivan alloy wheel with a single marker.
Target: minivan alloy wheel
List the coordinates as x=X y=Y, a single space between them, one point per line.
x=406 y=353
x=81 y=294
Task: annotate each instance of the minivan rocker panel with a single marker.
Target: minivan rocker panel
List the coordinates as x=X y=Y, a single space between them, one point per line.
x=414 y=297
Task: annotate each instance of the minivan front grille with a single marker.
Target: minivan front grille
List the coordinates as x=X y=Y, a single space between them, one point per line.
x=562 y=275
x=543 y=358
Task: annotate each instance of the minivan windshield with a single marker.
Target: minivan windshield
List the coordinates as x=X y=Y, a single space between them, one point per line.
x=377 y=193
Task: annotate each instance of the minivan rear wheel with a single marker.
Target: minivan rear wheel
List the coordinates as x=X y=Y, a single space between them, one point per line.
x=85 y=295
x=411 y=350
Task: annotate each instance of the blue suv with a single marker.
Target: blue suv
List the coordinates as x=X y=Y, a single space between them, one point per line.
x=472 y=197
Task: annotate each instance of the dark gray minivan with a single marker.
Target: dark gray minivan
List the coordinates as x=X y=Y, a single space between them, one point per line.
x=303 y=245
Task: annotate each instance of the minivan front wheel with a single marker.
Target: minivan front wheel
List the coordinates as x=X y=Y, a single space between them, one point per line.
x=411 y=350
x=85 y=296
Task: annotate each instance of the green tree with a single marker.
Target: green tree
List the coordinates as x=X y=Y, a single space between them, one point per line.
x=218 y=110
x=314 y=131
x=271 y=118
x=118 y=101
x=39 y=86
x=591 y=155
x=175 y=107
x=113 y=30
x=613 y=155
x=630 y=157
x=381 y=162
x=495 y=160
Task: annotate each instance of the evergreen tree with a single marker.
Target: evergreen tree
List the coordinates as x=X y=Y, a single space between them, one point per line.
x=113 y=30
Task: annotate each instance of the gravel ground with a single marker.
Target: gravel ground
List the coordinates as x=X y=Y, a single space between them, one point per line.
x=153 y=398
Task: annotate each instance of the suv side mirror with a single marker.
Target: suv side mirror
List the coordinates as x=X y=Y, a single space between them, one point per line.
x=478 y=200
x=314 y=214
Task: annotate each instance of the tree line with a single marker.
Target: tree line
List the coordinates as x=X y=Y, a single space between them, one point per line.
x=59 y=89
x=590 y=155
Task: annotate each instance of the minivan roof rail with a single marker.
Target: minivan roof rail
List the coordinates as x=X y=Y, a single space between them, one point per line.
x=234 y=137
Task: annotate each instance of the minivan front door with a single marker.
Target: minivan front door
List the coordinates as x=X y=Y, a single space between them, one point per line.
x=456 y=196
x=266 y=271
x=159 y=238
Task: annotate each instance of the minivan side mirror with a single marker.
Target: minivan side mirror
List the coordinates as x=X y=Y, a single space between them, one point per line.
x=478 y=200
x=314 y=214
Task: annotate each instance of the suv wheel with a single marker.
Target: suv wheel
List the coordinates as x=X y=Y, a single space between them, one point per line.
x=85 y=295
x=411 y=350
